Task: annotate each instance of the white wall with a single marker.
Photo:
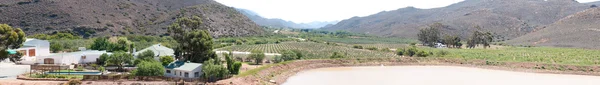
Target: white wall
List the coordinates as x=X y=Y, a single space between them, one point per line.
x=70 y=58
x=42 y=47
x=176 y=73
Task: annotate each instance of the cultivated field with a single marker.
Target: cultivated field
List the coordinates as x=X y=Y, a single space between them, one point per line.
x=548 y=55
x=310 y=49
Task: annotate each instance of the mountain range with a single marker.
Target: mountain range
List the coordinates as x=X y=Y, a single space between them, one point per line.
x=283 y=23
x=507 y=19
x=121 y=17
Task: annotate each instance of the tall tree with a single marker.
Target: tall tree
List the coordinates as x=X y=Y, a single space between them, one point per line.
x=479 y=37
x=430 y=35
x=100 y=43
x=120 y=59
x=149 y=68
x=10 y=38
x=195 y=42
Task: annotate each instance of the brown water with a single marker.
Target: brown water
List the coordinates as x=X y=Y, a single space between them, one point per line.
x=432 y=75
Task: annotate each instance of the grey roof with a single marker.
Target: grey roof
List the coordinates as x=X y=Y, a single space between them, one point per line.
x=159 y=50
x=189 y=66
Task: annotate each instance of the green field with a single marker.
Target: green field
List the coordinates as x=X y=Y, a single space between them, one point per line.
x=366 y=40
x=310 y=49
x=549 y=55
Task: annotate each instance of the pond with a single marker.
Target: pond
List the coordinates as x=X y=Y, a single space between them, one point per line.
x=431 y=75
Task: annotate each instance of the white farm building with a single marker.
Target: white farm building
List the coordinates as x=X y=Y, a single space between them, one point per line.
x=80 y=57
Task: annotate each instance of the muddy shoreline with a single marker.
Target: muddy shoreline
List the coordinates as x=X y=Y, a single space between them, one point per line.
x=281 y=73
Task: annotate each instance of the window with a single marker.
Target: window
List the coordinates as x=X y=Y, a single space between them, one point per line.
x=168 y=71
x=180 y=73
x=197 y=74
x=186 y=74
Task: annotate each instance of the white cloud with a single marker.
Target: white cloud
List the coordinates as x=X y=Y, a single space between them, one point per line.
x=330 y=10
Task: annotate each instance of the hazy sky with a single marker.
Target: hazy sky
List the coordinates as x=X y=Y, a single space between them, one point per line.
x=302 y=11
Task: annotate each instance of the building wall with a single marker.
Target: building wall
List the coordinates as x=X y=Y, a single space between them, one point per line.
x=42 y=47
x=181 y=74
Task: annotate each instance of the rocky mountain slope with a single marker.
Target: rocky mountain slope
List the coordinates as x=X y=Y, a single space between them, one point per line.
x=121 y=17
x=282 y=23
x=580 y=30
x=507 y=19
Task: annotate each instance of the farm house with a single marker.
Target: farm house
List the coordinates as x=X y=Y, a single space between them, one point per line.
x=32 y=48
x=87 y=56
x=183 y=69
x=158 y=49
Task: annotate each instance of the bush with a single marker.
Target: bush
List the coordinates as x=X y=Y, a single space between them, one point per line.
x=288 y=56
x=357 y=47
x=371 y=48
x=236 y=67
x=214 y=71
x=149 y=68
x=277 y=59
x=166 y=60
x=400 y=52
x=258 y=56
x=336 y=55
x=299 y=54
x=422 y=54
x=411 y=51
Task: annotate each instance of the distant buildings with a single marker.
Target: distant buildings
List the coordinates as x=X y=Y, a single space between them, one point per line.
x=183 y=69
x=80 y=57
x=32 y=48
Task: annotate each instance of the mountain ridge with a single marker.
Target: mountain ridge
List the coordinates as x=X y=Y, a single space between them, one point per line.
x=276 y=22
x=121 y=17
x=506 y=18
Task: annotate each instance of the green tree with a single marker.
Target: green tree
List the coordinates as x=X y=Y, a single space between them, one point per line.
x=10 y=38
x=102 y=59
x=299 y=54
x=430 y=35
x=100 y=43
x=336 y=55
x=195 y=43
x=166 y=60
x=258 y=56
x=478 y=37
x=146 y=55
x=232 y=65
x=213 y=70
x=149 y=68
x=452 y=41
x=289 y=55
x=120 y=59
x=55 y=47
x=236 y=67
x=122 y=44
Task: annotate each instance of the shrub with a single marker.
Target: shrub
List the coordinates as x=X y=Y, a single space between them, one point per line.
x=422 y=54
x=400 y=52
x=299 y=54
x=236 y=67
x=357 y=47
x=372 y=48
x=166 y=60
x=288 y=55
x=277 y=59
x=213 y=70
x=336 y=55
x=411 y=51
x=258 y=56
x=149 y=68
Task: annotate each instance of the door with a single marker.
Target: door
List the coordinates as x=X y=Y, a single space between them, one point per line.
x=48 y=61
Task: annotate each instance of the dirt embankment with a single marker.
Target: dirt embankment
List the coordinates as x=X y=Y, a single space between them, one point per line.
x=281 y=73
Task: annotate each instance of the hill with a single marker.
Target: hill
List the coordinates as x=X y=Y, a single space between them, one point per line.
x=121 y=17
x=506 y=18
x=282 y=23
x=580 y=30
